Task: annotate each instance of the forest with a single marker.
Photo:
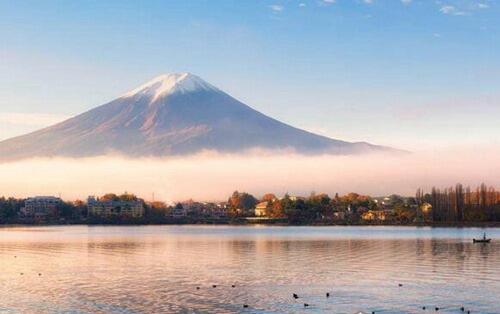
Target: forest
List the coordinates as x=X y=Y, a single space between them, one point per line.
x=462 y=204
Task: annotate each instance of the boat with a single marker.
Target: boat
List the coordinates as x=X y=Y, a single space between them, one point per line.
x=483 y=240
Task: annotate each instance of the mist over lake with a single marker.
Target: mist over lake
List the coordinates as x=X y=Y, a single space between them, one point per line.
x=214 y=176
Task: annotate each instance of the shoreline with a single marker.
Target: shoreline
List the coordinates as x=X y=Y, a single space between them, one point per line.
x=252 y=223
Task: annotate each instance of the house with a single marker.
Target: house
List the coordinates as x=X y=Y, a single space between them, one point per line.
x=339 y=216
x=261 y=209
x=297 y=198
x=115 y=208
x=217 y=210
x=40 y=207
x=376 y=215
x=424 y=212
x=179 y=212
x=383 y=202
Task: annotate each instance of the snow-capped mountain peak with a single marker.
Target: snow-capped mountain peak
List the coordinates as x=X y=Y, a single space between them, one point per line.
x=185 y=115
x=167 y=84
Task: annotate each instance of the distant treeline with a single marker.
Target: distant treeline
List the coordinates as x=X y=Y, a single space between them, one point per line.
x=459 y=204
x=452 y=205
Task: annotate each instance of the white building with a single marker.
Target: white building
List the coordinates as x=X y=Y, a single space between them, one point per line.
x=261 y=209
x=114 y=208
x=179 y=212
x=40 y=206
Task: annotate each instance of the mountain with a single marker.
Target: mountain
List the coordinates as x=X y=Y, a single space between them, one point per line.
x=173 y=114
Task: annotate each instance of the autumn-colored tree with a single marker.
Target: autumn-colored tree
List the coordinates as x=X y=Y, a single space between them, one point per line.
x=158 y=205
x=242 y=201
x=269 y=197
x=109 y=197
x=276 y=210
x=127 y=197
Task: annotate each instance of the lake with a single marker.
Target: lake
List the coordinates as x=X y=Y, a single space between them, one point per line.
x=157 y=269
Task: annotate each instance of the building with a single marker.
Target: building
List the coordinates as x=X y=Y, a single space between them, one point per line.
x=376 y=215
x=115 y=208
x=383 y=202
x=261 y=209
x=179 y=212
x=40 y=207
x=215 y=210
x=339 y=216
x=296 y=198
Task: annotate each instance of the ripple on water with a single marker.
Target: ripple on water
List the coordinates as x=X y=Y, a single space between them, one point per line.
x=157 y=270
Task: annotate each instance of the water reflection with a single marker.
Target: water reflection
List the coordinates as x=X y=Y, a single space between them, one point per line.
x=157 y=270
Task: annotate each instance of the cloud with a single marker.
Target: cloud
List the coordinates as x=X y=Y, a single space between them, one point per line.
x=31 y=119
x=329 y=1
x=302 y=4
x=447 y=9
x=368 y=1
x=214 y=176
x=276 y=7
x=464 y=7
x=451 y=10
x=406 y=2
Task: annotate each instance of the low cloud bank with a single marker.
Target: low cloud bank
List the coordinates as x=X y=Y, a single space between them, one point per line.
x=212 y=176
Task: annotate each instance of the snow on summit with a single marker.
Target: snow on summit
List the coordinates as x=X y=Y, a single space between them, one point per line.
x=168 y=84
x=147 y=122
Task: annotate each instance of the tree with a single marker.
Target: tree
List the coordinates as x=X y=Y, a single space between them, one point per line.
x=9 y=208
x=109 y=197
x=276 y=210
x=126 y=197
x=269 y=197
x=66 y=210
x=242 y=201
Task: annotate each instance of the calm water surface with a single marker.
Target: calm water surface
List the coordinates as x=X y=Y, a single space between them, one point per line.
x=156 y=269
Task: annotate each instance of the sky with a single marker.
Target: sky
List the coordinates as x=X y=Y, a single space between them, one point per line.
x=411 y=74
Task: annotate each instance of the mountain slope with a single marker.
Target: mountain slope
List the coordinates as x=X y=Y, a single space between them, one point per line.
x=172 y=114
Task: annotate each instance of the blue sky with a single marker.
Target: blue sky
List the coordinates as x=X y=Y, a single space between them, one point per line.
x=402 y=73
